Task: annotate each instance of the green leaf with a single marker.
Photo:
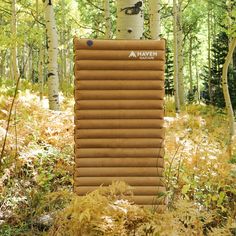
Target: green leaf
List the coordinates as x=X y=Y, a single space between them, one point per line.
x=185 y=188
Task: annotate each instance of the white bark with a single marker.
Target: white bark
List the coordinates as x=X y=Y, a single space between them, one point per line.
x=226 y=88
x=2 y=64
x=155 y=23
x=107 y=19
x=29 y=74
x=40 y=72
x=130 y=19
x=40 y=56
x=14 y=63
x=176 y=82
x=64 y=61
x=197 y=77
x=190 y=63
x=53 y=81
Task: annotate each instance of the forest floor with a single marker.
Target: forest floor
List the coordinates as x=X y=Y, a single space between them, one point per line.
x=37 y=167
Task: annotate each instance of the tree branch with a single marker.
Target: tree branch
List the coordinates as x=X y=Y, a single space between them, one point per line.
x=5 y=11
x=10 y=111
x=91 y=3
x=85 y=27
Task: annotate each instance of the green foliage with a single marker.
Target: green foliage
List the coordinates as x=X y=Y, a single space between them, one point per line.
x=219 y=50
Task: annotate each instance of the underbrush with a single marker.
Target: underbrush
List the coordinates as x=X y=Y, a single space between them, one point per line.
x=37 y=167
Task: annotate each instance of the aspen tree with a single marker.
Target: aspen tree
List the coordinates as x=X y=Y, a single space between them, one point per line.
x=228 y=61
x=209 y=51
x=40 y=72
x=15 y=72
x=229 y=108
x=180 y=53
x=29 y=63
x=63 y=77
x=155 y=24
x=197 y=77
x=107 y=19
x=190 y=63
x=129 y=19
x=176 y=82
x=40 y=57
x=53 y=81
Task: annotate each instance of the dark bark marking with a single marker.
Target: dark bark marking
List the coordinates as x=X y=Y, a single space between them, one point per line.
x=50 y=74
x=134 y=10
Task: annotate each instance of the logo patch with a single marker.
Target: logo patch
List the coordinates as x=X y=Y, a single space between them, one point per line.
x=143 y=55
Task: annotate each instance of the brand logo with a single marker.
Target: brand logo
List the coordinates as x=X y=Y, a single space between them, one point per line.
x=143 y=55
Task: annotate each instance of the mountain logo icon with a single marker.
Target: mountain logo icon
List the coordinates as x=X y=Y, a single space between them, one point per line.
x=132 y=54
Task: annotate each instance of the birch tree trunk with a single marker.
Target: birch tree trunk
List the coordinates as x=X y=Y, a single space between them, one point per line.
x=197 y=77
x=40 y=72
x=29 y=74
x=14 y=63
x=107 y=19
x=155 y=23
x=209 y=52
x=53 y=80
x=64 y=60
x=2 y=64
x=40 y=57
x=63 y=50
x=180 y=54
x=129 y=19
x=176 y=82
x=228 y=103
x=190 y=64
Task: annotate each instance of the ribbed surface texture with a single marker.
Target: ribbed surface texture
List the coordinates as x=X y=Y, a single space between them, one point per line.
x=119 y=92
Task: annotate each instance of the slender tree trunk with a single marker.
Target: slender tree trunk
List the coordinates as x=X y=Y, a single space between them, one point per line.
x=40 y=72
x=64 y=48
x=229 y=60
x=209 y=52
x=107 y=19
x=190 y=64
x=24 y=55
x=180 y=54
x=62 y=75
x=68 y=65
x=40 y=57
x=197 y=78
x=155 y=23
x=53 y=81
x=64 y=60
x=226 y=89
x=129 y=19
x=29 y=64
x=234 y=61
x=2 y=66
x=175 y=46
x=61 y=61
x=14 y=63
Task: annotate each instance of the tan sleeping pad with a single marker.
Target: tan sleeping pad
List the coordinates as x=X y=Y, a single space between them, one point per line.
x=119 y=134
